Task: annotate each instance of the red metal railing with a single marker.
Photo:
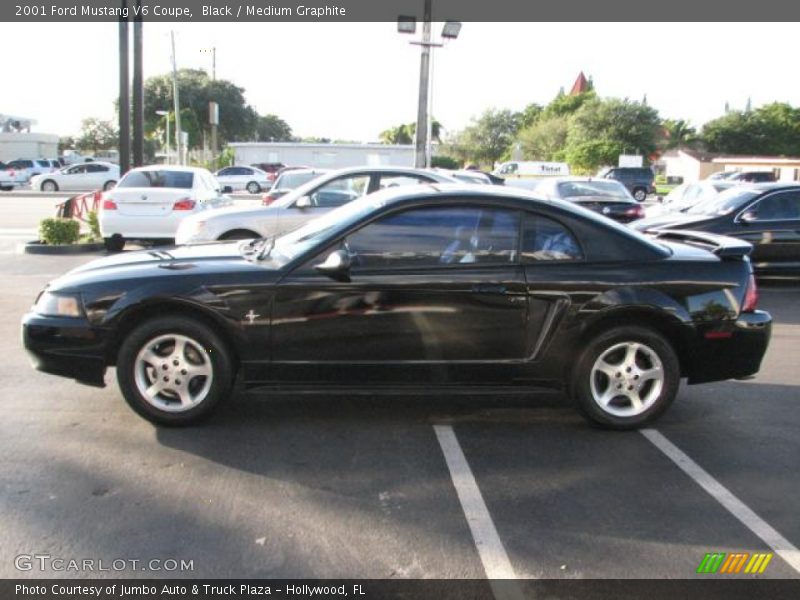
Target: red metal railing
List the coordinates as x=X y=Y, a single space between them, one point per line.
x=78 y=207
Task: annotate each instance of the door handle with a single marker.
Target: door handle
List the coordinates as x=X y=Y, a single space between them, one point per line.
x=488 y=288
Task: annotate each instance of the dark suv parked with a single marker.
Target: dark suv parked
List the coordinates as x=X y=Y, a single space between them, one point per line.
x=638 y=180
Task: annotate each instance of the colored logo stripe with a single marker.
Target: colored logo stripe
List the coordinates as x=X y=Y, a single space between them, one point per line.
x=733 y=563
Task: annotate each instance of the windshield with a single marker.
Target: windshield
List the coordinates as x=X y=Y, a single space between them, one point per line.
x=301 y=240
x=157 y=179
x=724 y=203
x=599 y=189
x=289 y=181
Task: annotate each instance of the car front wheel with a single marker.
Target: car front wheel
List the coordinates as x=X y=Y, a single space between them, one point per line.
x=49 y=186
x=625 y=377
x=640 y=194
x=174 y=370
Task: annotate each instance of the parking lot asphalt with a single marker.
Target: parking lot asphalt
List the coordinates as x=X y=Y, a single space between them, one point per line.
x=364 y=487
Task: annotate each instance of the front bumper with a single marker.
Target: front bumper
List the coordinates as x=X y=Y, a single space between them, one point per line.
x=734 y=351
x=64 y=346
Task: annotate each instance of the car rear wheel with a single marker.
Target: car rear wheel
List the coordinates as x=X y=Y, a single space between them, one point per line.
x=625 y=377
x=640 y=194
x=115 y=243
x=49 y=186
x=174 y=371
x=109 y=185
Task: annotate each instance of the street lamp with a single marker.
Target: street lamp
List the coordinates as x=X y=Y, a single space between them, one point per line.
x=450 y=31
x=165 y=113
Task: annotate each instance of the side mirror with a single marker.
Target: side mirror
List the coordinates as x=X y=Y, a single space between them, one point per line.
x=303 y=202
x=336 y=266
x=748 y=216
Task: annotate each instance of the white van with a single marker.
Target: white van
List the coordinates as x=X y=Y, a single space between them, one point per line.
x=516 y=169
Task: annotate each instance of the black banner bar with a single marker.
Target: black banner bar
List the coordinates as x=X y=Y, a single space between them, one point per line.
x=709 y=587
x=183 y=11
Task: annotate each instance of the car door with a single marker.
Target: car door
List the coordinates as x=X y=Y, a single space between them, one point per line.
x=435 y=294
x=772 y=225
x=75 y=179
x=96 y=176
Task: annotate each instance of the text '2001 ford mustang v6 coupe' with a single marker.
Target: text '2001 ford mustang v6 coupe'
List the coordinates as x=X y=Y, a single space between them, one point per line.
x=418 y=288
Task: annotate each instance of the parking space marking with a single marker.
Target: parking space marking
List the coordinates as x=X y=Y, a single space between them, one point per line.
x=779 y=544
x=484 y=533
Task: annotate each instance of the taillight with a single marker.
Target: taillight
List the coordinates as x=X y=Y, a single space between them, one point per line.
x=109 y=204
x=750 y=295
x=267 y=199
x=184 y=204
x=635 y=211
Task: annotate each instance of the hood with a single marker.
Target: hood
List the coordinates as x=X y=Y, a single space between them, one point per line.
x=671 y=221
x=199 y=260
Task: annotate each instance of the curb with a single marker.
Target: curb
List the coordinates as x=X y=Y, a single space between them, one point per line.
x=37 y=247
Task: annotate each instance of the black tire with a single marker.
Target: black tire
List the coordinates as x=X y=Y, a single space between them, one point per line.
x=238 y=234
x=51 y=186
x=640 y=194
x=109 y=184
x=584 y=379
x=253 y=187
x=115 y=243
x=221 y=368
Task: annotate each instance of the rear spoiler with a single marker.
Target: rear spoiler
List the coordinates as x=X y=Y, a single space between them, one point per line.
x=721 y=245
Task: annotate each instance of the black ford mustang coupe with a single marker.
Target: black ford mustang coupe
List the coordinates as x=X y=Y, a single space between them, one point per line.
x=409 y=289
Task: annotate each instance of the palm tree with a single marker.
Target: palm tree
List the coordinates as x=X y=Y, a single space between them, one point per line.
x=678 y=133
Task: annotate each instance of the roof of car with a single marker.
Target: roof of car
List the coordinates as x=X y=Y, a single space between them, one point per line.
x=169 y=168
x=772 y=185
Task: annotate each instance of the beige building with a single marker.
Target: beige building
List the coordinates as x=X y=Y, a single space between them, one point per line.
x=786 y=168
x=689 y=165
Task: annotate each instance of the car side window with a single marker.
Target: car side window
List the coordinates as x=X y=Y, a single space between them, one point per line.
x=340 y=191
x=225 y=172
x=391 y=181
x=780 y=206
x=545 y=239
x=427 y=237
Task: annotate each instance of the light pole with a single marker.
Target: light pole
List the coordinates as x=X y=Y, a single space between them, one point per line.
x=165 y=113
x=451 y=29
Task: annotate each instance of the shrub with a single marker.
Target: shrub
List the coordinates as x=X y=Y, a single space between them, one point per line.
x=59 y=231
x=445 y=162
x=94 y=225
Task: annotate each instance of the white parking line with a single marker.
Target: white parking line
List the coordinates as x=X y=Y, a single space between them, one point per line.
x=779 y=544
x=487 y=541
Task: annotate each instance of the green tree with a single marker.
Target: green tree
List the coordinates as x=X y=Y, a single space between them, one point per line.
x=544 y=139
x=406 y=133
x=97 y=135
x=487 y=138
x=271 y=128
x=529 y=115
x=773 y=129
x=677 y=133
x=563 y=104
x=601 y=130
x=237 y=120
x=65 y=143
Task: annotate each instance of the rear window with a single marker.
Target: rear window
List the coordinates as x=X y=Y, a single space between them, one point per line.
x=158 y=179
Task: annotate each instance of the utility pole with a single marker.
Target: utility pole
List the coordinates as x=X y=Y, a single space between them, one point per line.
x=138 y=93
x=420 y=150
x=178 y=131
x=124 y=97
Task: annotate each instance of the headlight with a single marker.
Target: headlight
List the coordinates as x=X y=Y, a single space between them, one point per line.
x=59 y=305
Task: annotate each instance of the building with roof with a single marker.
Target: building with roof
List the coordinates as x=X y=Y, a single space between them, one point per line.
x=687 y=166
x=581 y=85
x=17 y=140
x=785 y=168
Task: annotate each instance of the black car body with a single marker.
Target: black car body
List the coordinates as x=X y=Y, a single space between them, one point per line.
x=413 y=288
x=638 y=180
x=606 y=197
x=766 y=215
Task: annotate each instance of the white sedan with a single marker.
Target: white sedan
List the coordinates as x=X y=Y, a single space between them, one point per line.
x=312 y=199
x=253 y=180
x=84 y=177
x=150 y=202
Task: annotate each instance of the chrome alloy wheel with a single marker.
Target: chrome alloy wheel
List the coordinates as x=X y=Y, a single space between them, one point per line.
x=627 y=379
x=173 y=372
